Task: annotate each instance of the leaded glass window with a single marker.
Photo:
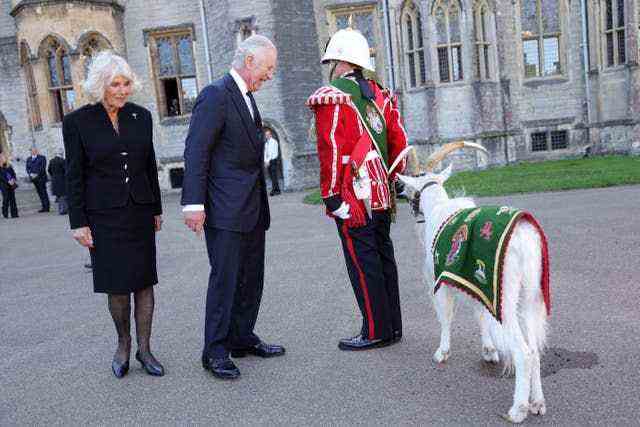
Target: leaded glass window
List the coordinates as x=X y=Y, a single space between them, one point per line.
x=614 y=34
x=541 y=31
x=480 y=28
x=175 y=72
x=60 y=79
x=414 y=46
x=448 y=41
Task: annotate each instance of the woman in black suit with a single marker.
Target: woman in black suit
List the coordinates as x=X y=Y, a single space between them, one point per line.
x=114 y=201
x=8 y=185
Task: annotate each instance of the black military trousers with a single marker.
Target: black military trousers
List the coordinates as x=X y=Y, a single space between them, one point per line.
x=371 y=264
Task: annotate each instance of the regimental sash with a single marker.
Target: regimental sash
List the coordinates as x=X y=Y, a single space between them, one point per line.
x=469 y=252
x=369 y=114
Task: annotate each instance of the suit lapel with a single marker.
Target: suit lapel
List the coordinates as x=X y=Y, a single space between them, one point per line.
x=242 y=108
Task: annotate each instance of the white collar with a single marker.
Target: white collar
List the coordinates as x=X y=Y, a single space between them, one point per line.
x=242 y=85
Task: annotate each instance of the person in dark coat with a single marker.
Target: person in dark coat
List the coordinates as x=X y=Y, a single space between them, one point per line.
x=224 y=184
x=114 y=201
x=8 y=185
x=57 y=171
x=37 y=171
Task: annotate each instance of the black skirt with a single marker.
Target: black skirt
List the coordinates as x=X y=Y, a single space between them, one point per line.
x=124 y=253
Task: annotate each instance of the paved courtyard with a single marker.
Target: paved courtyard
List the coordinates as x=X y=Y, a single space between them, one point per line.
x=57 y=339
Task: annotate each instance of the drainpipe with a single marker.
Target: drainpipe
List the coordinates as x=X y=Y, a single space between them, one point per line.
x=585 y=55
x=205 y=30
x=387 y=19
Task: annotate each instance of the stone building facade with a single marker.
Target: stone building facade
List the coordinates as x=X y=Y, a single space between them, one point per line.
x=518 y=76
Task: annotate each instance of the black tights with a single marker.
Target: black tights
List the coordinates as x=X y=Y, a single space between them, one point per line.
x=120 y=309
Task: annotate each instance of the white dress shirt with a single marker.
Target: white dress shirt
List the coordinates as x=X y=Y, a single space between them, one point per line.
x=242 y=85
x=270 y=150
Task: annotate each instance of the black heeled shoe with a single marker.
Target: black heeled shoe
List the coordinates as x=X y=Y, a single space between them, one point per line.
x=153 y=367
x=119 y=369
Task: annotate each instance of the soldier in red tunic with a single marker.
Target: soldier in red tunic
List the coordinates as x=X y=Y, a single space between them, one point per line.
x=361 y=145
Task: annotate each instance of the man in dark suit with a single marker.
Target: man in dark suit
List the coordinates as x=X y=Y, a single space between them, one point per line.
x=37 y=171
x=224 y=194
x=57 y=171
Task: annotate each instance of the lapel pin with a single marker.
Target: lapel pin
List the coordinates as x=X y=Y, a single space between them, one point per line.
x=135 y=116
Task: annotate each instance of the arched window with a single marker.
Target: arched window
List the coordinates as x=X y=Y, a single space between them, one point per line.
x=448 y=40
x=481 y=33
x=35 y=119
x=91 y=45
x=541 y=37
x=613 y=34
x=413 y=45
x=60 y=80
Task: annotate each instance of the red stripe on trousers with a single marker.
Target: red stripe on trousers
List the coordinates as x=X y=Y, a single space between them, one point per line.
x=362 y=281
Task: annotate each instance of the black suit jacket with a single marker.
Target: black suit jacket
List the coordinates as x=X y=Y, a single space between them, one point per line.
x=105 y=168
x=57 y=171
x=223 y=155
x=37 y=166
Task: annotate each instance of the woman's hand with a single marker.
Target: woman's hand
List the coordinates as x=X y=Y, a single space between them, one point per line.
x=158 y=222
x=83 y=236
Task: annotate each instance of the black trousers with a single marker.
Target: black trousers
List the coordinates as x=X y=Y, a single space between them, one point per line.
x=273 y=175
x=41 y=188
x=371 y=264
x=9 y=203
x=235 y=289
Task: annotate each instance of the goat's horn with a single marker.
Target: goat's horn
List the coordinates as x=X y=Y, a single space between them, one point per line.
x=446 y=149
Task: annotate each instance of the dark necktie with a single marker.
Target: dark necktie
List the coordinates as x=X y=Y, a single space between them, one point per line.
x=256 y=114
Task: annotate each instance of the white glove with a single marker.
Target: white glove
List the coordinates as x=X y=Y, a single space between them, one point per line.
x=343 y=211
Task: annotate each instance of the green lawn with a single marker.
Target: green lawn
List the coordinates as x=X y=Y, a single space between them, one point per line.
x=533 y=177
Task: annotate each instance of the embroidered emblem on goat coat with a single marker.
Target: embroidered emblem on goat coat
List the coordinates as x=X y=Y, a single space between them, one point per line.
x=476 y=251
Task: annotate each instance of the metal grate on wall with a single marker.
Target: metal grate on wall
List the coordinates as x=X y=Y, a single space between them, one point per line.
x=539 y=141
x=559 y=140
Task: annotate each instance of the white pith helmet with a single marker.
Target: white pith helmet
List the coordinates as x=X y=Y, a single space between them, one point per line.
x=350 y=46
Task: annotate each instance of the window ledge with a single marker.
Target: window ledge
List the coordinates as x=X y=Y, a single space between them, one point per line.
x=416 y=89
x=458 y=83
x=535 y=82
x=176 y=121
x=614 y=69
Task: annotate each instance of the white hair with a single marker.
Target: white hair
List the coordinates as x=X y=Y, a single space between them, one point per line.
x=105 y=67
x=253 y=45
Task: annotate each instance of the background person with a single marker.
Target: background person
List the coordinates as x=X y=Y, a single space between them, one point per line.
x=114 y=201
x=57 y=171
x=271 y=153
x=224 y=175
x=37 y=171
x=8 y=185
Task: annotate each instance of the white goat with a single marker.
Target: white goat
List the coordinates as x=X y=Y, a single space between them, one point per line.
x=520 y=338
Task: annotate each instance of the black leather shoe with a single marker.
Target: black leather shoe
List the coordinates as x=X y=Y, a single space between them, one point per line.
x=358 y=343
x=150 y=364
x=224 y=368
x=119 y=369
x=43 y=210
x=397 y=337
x=261 y=350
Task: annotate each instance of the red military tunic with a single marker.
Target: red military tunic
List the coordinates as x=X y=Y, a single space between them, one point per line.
x=339 y=128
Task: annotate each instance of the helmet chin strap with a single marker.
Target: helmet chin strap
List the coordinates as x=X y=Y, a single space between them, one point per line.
x=332 y=70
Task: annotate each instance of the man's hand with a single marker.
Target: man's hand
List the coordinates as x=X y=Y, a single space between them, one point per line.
x=83 y=236
x=195 y=221
x=158 y=222
x=343 y=211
